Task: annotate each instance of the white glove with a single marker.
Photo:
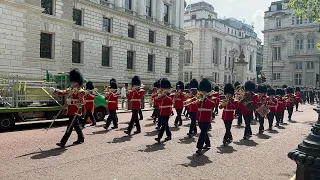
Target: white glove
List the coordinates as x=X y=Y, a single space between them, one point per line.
x=68 y=100
x=52 y=89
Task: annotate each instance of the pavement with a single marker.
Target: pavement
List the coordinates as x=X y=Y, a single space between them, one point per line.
x=32 y=154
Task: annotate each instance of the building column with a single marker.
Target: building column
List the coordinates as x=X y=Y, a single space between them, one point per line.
x=181 y=13
x=153 y=9
x=119 y=3
x=141 y=8
x=175 y=13
x=160 y=10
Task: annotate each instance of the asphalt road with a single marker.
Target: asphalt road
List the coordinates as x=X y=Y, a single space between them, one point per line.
x=32 y=154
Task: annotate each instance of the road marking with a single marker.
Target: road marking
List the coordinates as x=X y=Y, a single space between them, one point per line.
x=293 y=178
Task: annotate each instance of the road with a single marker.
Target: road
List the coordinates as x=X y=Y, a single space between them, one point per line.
x=32 y=154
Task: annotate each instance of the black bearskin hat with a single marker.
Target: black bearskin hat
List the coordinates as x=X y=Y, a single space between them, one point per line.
x=228 y=89
x=156 y=84
x=249 y=86
x=113 y=80
x=187 y=86
x=216 y=89
x=279 y=92
x=262 y=89
x=136 y=81
x=284 y=86
x=268 y=86
x=113 y=85
x=165 y=83
x=298 y=89
x=89 y=85
x=76 y=76
x=180 y=85
x=236 y=84
x=194 y=84
x=205 y=85
x=271 y=92
x=283 y=92
x=289 y=90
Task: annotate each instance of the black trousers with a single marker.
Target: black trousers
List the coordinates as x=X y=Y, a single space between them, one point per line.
x=76 y=126
x=239 y=115
x=227 y=125
x=261 y=122
x=156 y=113
x=134 y=121
x=185 y=112
x=204 y=136
x=193 y=125
x=216 y=109
x=297 y=105
x=290 y=111
x=112 y=117
x=178 y=118
x=278 y=117
x=270 y=117
x=88 y=114
x=247 y=120
x=140 y=114
x=164 y=126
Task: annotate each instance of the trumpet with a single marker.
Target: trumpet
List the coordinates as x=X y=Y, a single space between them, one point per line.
x=198 y=98
x=130 y=88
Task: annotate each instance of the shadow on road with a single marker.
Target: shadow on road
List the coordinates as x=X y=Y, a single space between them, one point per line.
x=47 y=153
x=196 y=161
x=238 y=127
x=281 y=127
x=152 y=133
x=187 y=140
x=263 y=136
x=250 y=143
x=225 y=149
x=150 y=125
x=104 y=131
x=273 y=131
x=153 y=148
x=121 y=139
x=174 y=128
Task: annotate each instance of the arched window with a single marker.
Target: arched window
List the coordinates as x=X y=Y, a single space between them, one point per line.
x=299 y=42
x=188 y=47
x=311 y=41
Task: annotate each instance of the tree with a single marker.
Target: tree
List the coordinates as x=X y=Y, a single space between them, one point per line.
x=306 y=9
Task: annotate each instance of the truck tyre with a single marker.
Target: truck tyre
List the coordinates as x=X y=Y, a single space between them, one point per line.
x=99 y=113
x=6 y=122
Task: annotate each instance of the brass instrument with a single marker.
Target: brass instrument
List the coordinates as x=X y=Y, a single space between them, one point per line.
x=198 y=98
x=130 y=88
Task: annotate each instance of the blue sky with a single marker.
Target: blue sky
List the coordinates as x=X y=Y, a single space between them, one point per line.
x=252 y=11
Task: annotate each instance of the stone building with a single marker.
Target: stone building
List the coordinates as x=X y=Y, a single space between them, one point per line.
x=290 y=52
x=213 y=45
x=103 y=38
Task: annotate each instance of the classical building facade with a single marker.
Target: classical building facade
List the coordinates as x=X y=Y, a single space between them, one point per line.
x=213 y=45
x=290 y=52
x=103 y=38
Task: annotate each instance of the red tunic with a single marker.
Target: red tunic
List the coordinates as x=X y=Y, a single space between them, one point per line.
x=178 y=101
x=255 y=99
x=89 y=101
x=75 y=100
x=289 y=98
x=281 y=104
x=298 y=97
x=165 y=106
x=272 y=104
x=217 y=98
x=135 y=98
x=155 y=100
x=228 y=111
x=112 y=101
x=205 y=109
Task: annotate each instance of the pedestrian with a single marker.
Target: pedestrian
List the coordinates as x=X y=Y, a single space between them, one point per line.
x=272 y=104
x=75 y=100
x=262 y=96
x=204 y=116
x=165 y=109
x=281 y=106
x=290 y=99
x=89 y=104
x=228 y=105
x=112 y=100
x=178 y=99
x=123 y=96
x=298 y=97
x=193 y=108
x=134 y=96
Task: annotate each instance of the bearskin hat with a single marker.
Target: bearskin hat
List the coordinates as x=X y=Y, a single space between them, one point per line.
x=216 y=89
x=187 y=86
x=228 y=89
x=284 y=86
x=89 y=85
x=271 y=91
x=76 y=76
x=194 y=84
x=262 y=89
x=268 y=86
x=136 y=81
x=289 y=90
x=236 y=84
x=249 y=86
x=298 y=89
x=156 y=84
x=205 y=85
x=165 y=83
x=113 y=85
x=279 y=92
x=113 y=80
x=180 y=85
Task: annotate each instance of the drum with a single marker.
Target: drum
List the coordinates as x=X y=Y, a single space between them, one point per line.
x=263 y=111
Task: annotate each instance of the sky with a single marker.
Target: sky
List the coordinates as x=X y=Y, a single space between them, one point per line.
x=252 y=11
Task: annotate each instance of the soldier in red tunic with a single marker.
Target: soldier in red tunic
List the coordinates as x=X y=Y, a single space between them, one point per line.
x=165 y=109
x=204 y=115
x=217 y=100
x=178 y=99
x=272 y=104
x=112 y=99
x=134 y=96
x=154 y=97
x=228 y=105
x=298 y=97
x=237 y=86
x=262 y=95
x=281 y=106
x=75 y=101
x=289 y=99
x=193 y=108
x=187 y=91
x=89 y=104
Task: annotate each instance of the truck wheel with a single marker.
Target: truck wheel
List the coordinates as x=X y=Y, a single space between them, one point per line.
x=99 y=113
x=6 y=122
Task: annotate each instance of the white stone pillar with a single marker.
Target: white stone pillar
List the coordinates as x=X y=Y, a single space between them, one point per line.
x=175 y=13
x=241 y=69
x=119 y=3
x=153 y=9
x=181 y=13
x=160 y=10
x=141 y=7
x=134 y=7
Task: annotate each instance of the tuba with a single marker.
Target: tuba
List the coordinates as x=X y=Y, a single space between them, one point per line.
x=247 y=98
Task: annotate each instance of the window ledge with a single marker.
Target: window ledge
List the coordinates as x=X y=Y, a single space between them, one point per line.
x=78 y=64
x=151 y=72
x=47 y=59
x=131 y=70
x=106 y=67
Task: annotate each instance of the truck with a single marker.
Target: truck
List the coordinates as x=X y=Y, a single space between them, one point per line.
x=25 y=100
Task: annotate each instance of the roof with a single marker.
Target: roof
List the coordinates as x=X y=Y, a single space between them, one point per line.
x=200 y=6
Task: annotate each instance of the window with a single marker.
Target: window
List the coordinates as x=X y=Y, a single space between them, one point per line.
x=213 y=56
x=77 y=16
x=278 y=22
x=76 y=51
x=188 y=56
x=225 y=61
x=235 y=33
x=293 y=19
x=277 y=53
x=151 y=36
x=46 y=45
x=128 y=4
x=106 y=24
x=299 y=44
x=186 y=77
x=231 y=31
x=150 y=62
x=229 y=80
x=250 y=63
x=148 y=8
x=299 y=20
x=169 y=41
x=193 y=16
x=310 y=65
x=130 y=56
x=209 y=16
x=130 y=31
x=233 y=63
x=190 y=76
x=228 y=30
x=229 y=63
x=166 y=13
x=239 y=34
x=47 y=5
x=310 y=43
x=298 y=79
x=306 y=21
x=168 y=65
x=277 y=38
x=225 y=79
x=106 y=56
x=310 y=20
x=276 y=76
x=298 y=65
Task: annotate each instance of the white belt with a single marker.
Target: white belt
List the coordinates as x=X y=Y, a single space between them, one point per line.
x=89 y=101
x=112 y=101
x=272 y=106
x=228 y=110
x=135 y=100
x=177 y=99
x=165 y=106
x=204 y=109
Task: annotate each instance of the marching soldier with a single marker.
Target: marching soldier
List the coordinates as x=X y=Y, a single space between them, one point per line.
x=89 y=104
x=262 y=95
x=272 y=104
x=290 y=99
x=154 y=97
x=112 y=100
x=298 y=97
x=178 y=100
x=75 y=100
x=281 y=106
x=193 y=108
x=217 y=100
x=237 y=86
x=185 y=112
